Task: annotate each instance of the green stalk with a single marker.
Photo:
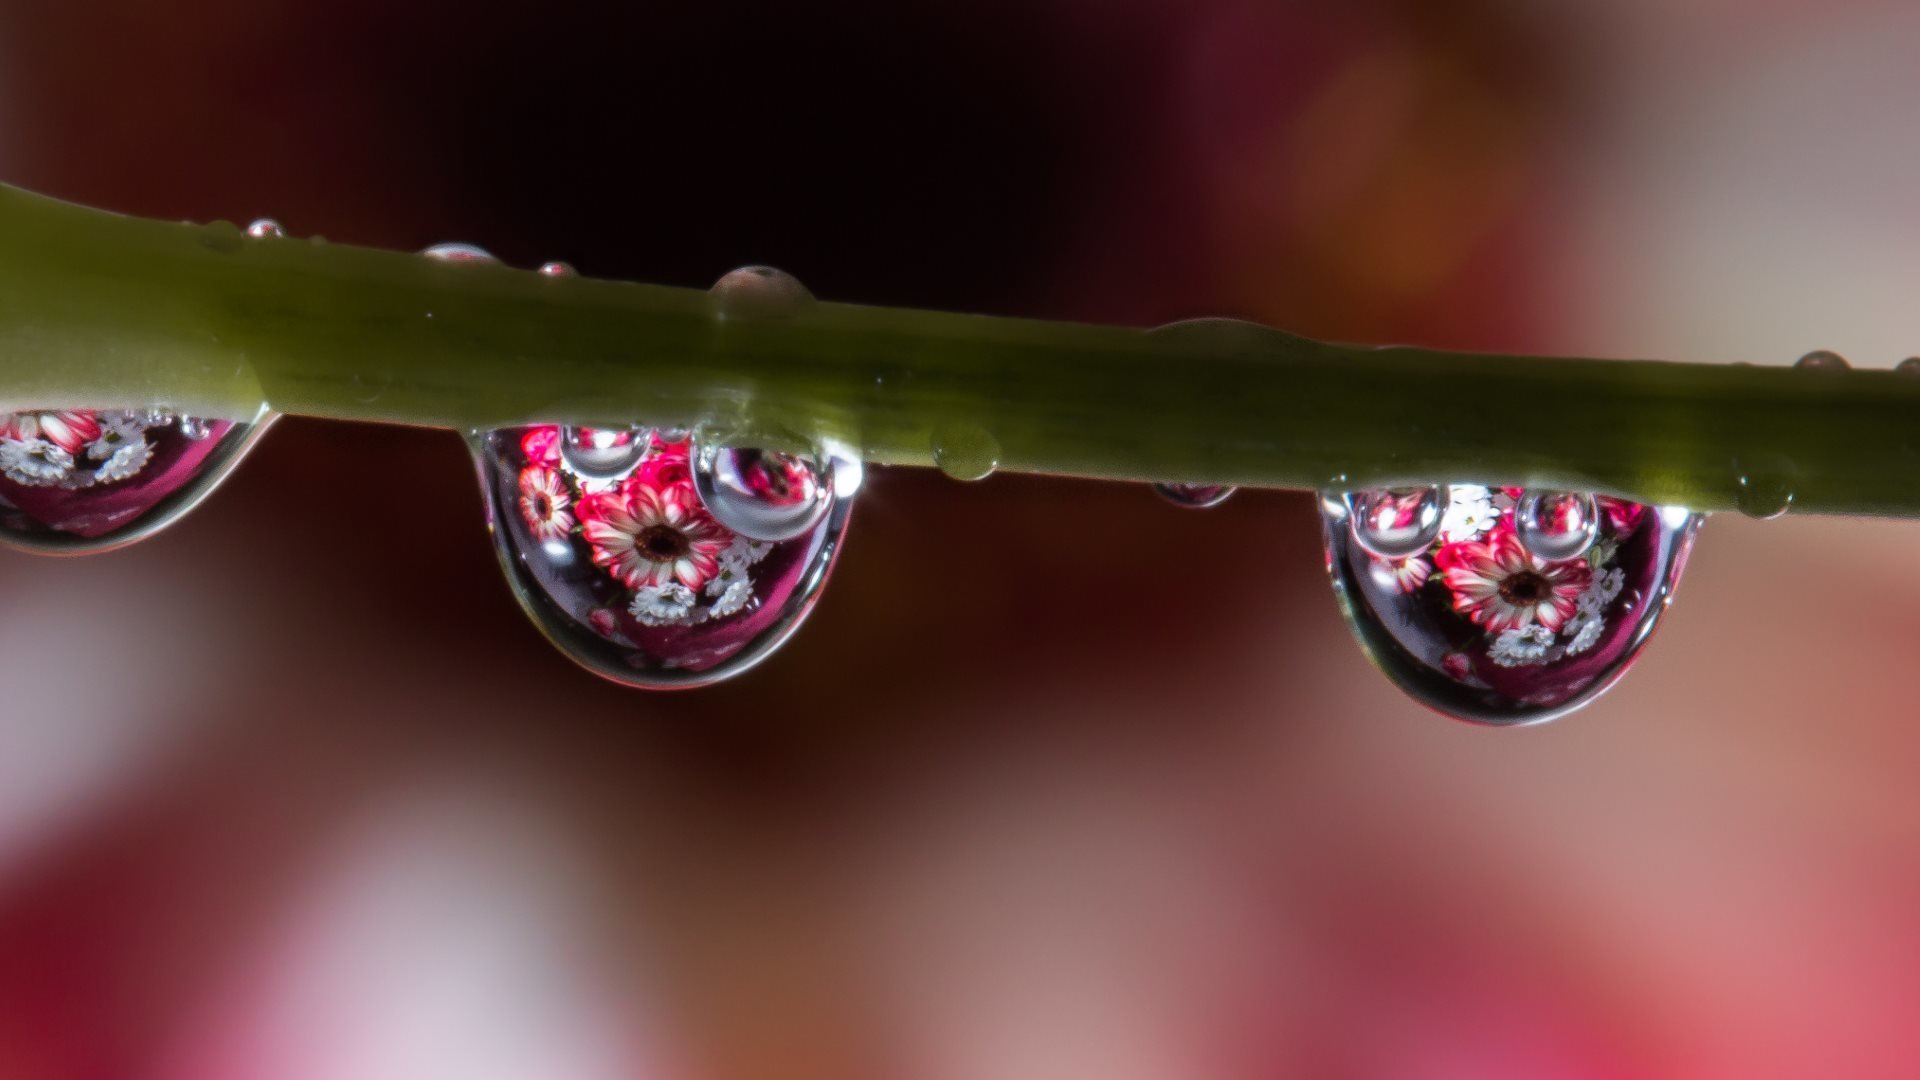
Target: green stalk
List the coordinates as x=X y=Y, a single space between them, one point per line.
x=98 y=310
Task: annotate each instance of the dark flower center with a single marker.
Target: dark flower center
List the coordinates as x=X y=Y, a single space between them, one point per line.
x=1526 y=588
x=542 y=506
x=662 y=542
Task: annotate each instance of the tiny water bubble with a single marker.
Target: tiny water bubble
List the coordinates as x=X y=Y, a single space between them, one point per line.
x=636 y=579
x=1481 y=626
x=223 y=237
x=1557 y=525
x=1394 y=523
x=459 y=253
x=83 y=480
x=1822 y=360
x=265 y=229
x=558 y=269
x=1765 y=489
x=602 y=455
x=1909 y=366
x=768 y=495
x=1194 y=496
x=966 y=452
x=759 y=292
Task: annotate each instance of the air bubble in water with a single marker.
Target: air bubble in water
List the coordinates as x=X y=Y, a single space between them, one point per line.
x=82 y=480
x=1479 y=626
x=1556 y=525
x=635 y=579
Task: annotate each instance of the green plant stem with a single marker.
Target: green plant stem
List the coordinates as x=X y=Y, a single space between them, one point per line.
x=101 y=310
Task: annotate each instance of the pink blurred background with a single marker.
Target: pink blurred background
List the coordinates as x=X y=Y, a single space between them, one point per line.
x=293 y=791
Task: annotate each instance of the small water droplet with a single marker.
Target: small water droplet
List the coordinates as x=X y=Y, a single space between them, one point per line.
x=966 y=452
x=221 y=236
x=765 y=494
x=266 y=229
x=1909 y=366
x=1556 y=525
x=558 y=269
x=1765 y=488
x=603 y=455
x=459 y=253
x=1822 y=360
x=81 y=480
x=635 y=580
x=1479 y=627
x=1394 y=523
x=1194 y=496
x=759 y=292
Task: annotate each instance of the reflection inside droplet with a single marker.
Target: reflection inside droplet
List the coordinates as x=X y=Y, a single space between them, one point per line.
x=76 y=480
x=632 y=576
x=1479 y=626
x=766 y=494
x=1395 y=522
x=1194 y=496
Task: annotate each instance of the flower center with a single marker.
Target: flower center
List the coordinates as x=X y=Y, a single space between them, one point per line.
x=661 y=542
x=1525 y=589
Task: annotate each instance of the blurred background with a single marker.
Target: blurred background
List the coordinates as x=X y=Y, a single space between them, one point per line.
x=293 y=790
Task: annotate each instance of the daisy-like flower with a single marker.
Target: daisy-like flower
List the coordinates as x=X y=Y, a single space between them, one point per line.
x=34 y=462
x=1586 y=629
x=735 y=598
x=1501 y=586
x=1470 y=513
x=662 y=605
x=1604 y=589
x=1521 y=647
x=1403 y=576
x=117 y=429
x=545 y=503
x=126 y=462
x=541 y=445
x=646 y=535
x=69 y=429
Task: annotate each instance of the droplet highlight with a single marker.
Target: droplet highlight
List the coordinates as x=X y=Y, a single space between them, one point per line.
x=1556 y=525
x=83 y=480
x=558 y=269
x=1479 y=627
x=768 y=495
x=1194 y=496
x=1393 y=523
x=265 y=229
x=632 y=577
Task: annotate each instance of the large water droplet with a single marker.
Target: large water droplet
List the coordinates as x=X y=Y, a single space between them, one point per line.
x=81 y=480
x=759 y=292
x=1480 y=628
x=635 y=579
x=765 y=494
x=1396 y=522
x=1194 y=496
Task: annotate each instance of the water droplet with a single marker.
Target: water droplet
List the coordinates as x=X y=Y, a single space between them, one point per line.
x=603 y=455
x=759 y=292
x=1909 y=366
x=635 y=579
x=1765 y=488
x=1557 y=525
x=81 y=480
x=221 y=236
x=558 y=269
x=764 y=494
x=1480 y=628
x=1194 y=496
x=1394 y=523
x=966 y=452
x=459 y=253
x=1822 y=360
x=266 y=229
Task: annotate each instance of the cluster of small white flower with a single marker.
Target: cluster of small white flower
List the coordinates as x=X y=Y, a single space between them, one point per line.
x=76 y=450
x=730 y=590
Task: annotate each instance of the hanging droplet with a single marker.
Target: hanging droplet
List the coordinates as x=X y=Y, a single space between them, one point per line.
x=635 y=579
x=459 y=253
x=81 y=480
x=1765 y=487
x=266 y=229
x=558 y=269
x=1394 y=523
x=1194 y=496
x=1556 y=525
x=1822 y=360
x=768 y=495
x=1480 y=627
x=759 y=292
x=966 y=452
x=603 y=455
